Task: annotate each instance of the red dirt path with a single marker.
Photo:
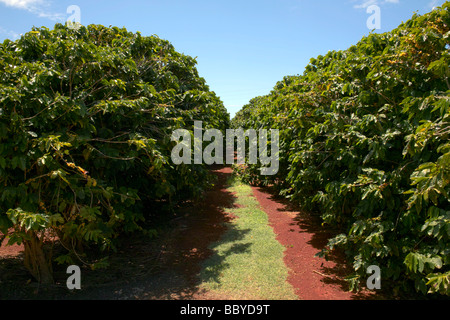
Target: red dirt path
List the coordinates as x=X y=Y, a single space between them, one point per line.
x=9 y=251
x=313 y=278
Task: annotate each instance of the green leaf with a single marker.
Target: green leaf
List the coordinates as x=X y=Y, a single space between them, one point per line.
x=54 y=219
x=65 y=259
x=439 y=283
x=101 y=264
x=415 y=262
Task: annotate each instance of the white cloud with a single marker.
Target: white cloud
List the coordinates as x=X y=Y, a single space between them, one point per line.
x=22 y=4
x=37 y=7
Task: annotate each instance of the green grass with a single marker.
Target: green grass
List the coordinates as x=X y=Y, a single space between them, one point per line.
x=248 y=260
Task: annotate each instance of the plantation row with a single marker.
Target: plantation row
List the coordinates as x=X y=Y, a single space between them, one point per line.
x=364 y=140
x=86 y=118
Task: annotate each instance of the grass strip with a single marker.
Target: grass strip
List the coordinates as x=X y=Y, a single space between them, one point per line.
x=248 y=260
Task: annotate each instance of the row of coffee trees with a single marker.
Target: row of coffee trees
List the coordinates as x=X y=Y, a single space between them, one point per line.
x=86 y=118
x=364 y=138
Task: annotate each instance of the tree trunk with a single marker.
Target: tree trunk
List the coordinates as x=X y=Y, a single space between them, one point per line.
x=36 y=261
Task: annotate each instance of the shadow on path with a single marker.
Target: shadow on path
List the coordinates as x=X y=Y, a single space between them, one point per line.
x=165 y=269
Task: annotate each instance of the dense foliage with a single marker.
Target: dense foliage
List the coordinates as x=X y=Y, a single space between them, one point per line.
x=86 y=118
x=365 y=142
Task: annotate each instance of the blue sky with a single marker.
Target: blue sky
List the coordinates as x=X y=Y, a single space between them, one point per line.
x=242 y=47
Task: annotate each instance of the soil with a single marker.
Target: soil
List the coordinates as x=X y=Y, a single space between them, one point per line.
x=166 y=268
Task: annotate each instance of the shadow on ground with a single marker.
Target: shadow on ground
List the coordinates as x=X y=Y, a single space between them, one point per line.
x=163 y=269
x=216 y=265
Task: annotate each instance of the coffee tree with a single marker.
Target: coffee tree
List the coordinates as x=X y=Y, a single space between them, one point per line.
x=364 y=135
x=86 y=117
